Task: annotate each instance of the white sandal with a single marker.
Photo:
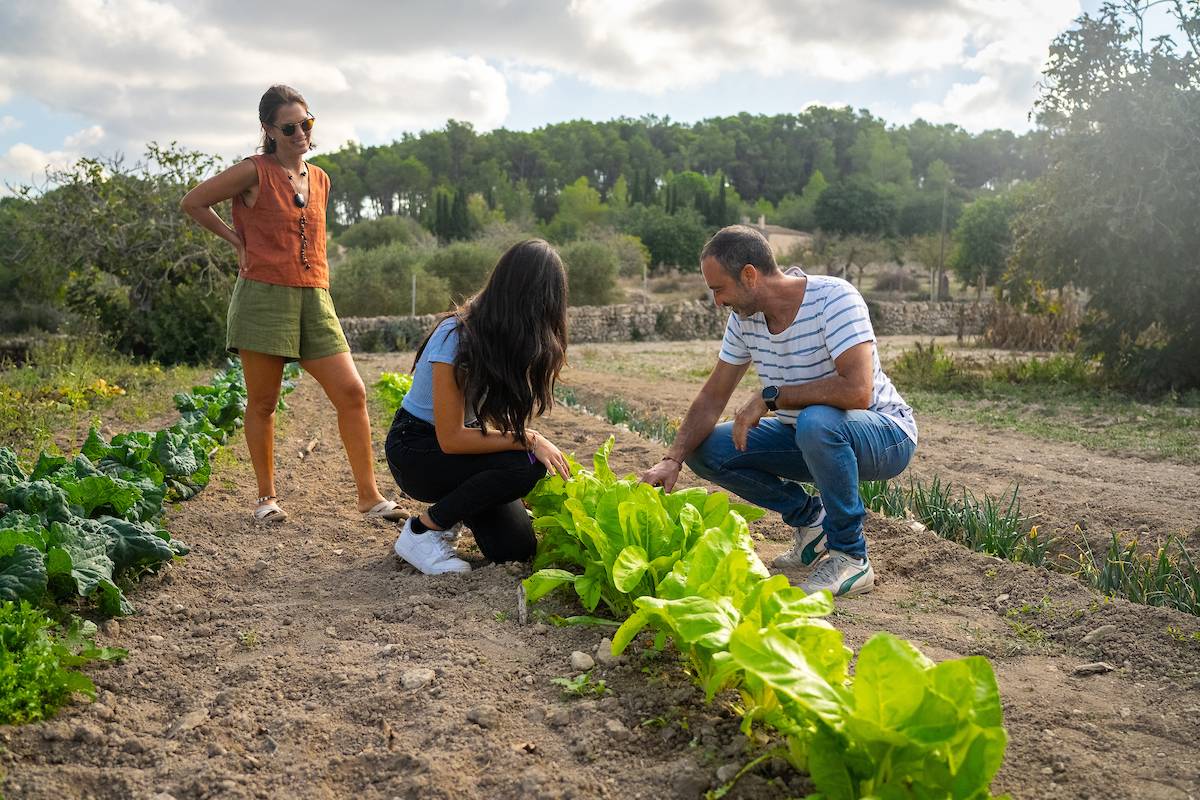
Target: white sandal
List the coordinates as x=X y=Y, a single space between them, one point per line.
x=268 y=511
x=386 y=510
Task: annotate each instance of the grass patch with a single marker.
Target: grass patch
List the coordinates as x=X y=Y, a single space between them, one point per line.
x=1167 y=578
x=1059 y=398
x=66 y=386
x=992 y=526
x=658 y=427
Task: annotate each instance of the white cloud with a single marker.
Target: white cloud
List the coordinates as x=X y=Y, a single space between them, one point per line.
x=85 y=139
x=9 y=123
x=193 y=70
x=530 y=82
x=24 y=164
x=1011 y=50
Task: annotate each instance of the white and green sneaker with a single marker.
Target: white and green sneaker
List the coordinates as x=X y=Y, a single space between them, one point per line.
x=810 y=544
x=842 y=574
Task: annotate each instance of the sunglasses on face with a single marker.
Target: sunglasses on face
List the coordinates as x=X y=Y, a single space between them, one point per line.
x=306 y=125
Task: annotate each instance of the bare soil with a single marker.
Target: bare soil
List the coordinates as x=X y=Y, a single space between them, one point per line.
x=271 y=662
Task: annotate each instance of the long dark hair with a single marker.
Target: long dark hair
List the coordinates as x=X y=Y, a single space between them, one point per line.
x=272 y=100
x=513 y=338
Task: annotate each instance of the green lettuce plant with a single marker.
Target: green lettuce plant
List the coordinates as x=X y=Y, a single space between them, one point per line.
x=625 y=536
x=392 y=388
x=683 y=564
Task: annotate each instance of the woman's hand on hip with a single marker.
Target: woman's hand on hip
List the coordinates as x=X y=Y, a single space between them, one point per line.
x=240 y=247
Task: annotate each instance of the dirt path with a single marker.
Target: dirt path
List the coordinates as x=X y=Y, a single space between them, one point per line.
x=273 y=663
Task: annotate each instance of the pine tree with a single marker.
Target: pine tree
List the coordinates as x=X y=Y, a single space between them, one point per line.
x=460 y=221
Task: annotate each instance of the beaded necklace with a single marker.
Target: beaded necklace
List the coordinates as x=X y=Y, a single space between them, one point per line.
x=296 y=197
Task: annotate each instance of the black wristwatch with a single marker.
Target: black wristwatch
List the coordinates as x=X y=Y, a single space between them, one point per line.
x=770 y=394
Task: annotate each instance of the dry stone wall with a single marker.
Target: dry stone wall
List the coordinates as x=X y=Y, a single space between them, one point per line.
x=674 y=322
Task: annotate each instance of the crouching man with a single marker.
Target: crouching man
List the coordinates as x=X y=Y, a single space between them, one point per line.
x=835 y=419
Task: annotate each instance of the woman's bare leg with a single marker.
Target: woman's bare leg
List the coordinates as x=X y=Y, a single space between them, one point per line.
x=264 y=375
x=342 y=384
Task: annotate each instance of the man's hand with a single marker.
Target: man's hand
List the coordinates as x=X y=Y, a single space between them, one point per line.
x=663 y=474
x=747 y=417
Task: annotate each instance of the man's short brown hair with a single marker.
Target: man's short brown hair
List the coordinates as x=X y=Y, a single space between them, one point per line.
x=735 y=246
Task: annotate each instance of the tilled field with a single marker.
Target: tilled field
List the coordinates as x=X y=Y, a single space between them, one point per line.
x=304 y=661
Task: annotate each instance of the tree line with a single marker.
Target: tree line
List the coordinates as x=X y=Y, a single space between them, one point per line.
x=723 y=168
x=1101 y=200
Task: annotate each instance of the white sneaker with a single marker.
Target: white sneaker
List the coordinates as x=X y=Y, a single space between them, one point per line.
x=842 y=574
x=430 y=552
x=452 y=534
x=810 y=544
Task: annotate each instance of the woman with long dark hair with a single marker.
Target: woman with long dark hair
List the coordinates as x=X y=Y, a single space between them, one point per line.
x=460 y=439
x=281 y=310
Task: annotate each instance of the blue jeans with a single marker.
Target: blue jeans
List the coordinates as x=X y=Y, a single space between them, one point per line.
x=829 y=448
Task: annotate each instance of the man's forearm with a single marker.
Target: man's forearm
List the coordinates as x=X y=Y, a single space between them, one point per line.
x=835 y=390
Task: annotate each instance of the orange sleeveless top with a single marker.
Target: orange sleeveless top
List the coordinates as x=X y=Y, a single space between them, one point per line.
x=274 y=234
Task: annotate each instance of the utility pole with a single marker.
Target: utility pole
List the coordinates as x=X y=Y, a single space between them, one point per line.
x=935 y=284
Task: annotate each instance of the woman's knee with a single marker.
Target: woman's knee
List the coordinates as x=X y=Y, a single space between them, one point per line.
x=261 y=407
x=530 y=475
x=349 y=396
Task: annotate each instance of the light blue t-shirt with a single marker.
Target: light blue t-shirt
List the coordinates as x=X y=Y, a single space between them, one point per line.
x=441 y=348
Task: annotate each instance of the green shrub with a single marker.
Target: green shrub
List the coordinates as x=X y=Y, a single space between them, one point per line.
x=501 y=235
x=108 y=241
x=632 y=256
x=464 y=266
x=591 y=274
x=378 y=282
x=930 y=367
x=31 y=318
x=671 y=239
x=1060 y=369
x=373 y=233
x=187 y=323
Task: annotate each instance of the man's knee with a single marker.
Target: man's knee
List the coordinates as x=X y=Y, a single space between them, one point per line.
x=706 y=460
x=817 y=426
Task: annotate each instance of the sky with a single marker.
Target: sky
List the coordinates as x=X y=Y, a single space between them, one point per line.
x=103 y=77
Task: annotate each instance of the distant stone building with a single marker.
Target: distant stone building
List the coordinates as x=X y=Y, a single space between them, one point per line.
x=782 y=240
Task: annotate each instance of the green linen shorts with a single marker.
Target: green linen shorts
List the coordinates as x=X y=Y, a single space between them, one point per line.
x=296 y=322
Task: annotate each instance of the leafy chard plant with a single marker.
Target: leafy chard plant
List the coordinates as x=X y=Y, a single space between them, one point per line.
x=683 y=564
x=625 y=536
x=392 y=388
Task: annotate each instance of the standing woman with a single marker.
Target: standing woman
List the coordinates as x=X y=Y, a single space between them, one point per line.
x=459 y=438
x=281 y=310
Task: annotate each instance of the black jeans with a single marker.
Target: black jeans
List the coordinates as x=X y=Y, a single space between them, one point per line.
x=482 y=491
